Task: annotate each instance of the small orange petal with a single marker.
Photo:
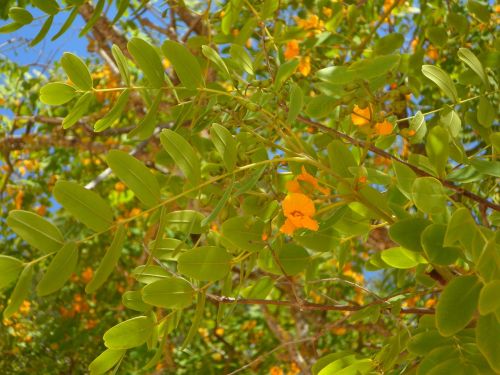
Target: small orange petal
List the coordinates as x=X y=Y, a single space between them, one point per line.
x=383 y=128
x=309 y=223
x=293 y=186
x=288 y=227
x=361 y=116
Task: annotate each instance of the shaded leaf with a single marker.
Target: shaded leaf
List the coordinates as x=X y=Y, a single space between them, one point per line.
x=59 y=271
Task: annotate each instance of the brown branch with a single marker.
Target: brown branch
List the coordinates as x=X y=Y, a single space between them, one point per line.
x=311 y=306
x=387 y=155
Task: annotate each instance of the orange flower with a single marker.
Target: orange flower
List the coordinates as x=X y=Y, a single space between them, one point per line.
x=87 y=275
x=275 y=370
x=361 y=116
x=313 y=22
x=292 y=49
x=293 y=186
x=305 y=66
x=298 y=209
x=383 y=128
x=432 y=52
x=327 y=12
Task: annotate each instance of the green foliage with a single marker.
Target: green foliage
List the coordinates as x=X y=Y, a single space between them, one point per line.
x=279 y=151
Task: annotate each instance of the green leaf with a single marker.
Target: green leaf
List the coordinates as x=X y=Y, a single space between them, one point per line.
x=95 y=17
x=122 y=6
x=220 y=205
x=296 y=102
x=133 y=300
x=242 y=233
x=20 y=292
x=147 y=126
x=43 y=31
x=241 y=59
x=338 y=75
x=67 y=24
x=121 y=63
x=489 y=298
x=406 y=232
x=57 y=93
x=20 y=15
x=438 y=150
x=187 y=221
x=480 y=10
x=473 y=62
x=185 y=64
x=375 y=67
x=205 y=263
x=405 y=177
x=129 y=334
x=108 y=262
x=457 y=304
x=81 y=106
x=9 y=270
x=77 y=71
x=167 y=248
x=418 y=125
x=171 y=293
x=428 y=195
x=486 y=114
x=87 y=206
x=106 y=361
x=489 y=167
x=148 y=60
x=294 y=259
x=487 y=334
x=48 y=6
x=135 y=175
x=214 y=57
x=59 y=270
x=432 y=242
x=425 y=342
x=389 y=43
x=442 y=80
x=285 y=71
x=399 y=257
x=148 y=274
x=183 y=154
x=437 y=35
x=268 y=8
x=327 y=359
x=450 y=120
x=10 y=27
x=461 y=224
x=114 y=114
x=35 y=230
x=436 y=357
x=198 y=316
x=321 y=106
x=225 y=145
x=340 y=158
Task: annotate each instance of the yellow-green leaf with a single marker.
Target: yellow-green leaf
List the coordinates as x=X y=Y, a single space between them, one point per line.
x=205 y=263
x=59 y=270
x=77 y=71
x=108 y=262
x=172 y=293
x=20 y=292
x=87 y=206
x=129 y=334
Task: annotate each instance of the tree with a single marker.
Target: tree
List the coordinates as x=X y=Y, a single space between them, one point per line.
x=260 y=186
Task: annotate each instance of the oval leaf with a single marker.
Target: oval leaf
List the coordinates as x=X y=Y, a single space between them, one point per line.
x=441 y=79
x=108 y=262
x=225 y=145
x=183 y=154
x=77 y=71
x=35 y=230
x=57 y=93
x=205 y=263
x=170 y=293
x=428 y=195
x=487 y=334
x=135 y=175
x=129 y=334
x=185 y=64
x=9 y=270
x=106 y=361
x=489 y=298
x=20 y=291
x=457 y=304
x=187 y=221
x=59 y=270
x=87 y=206
x=114 y=114
x=399 y=257
x=76 y=113
x=148 y=60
